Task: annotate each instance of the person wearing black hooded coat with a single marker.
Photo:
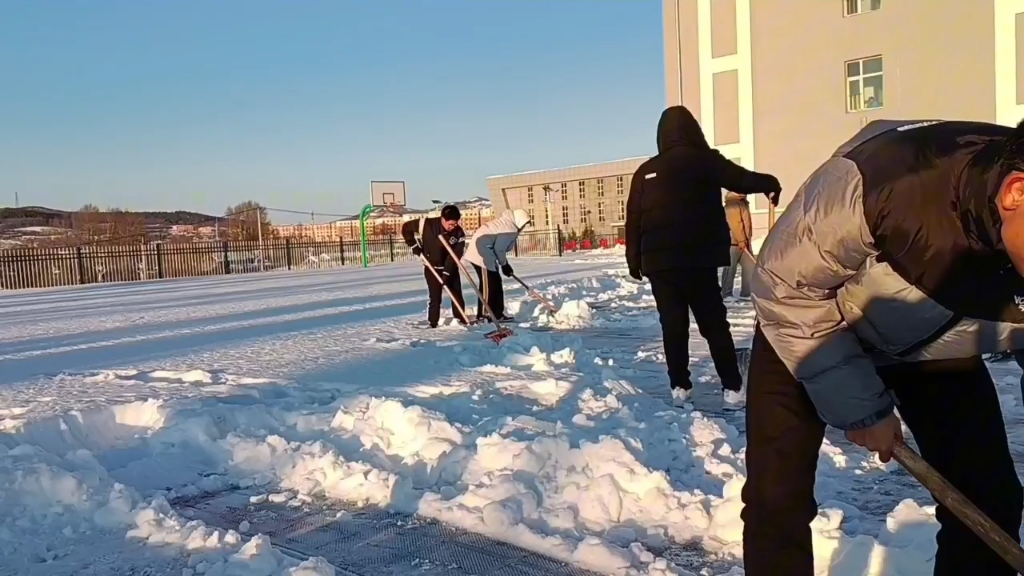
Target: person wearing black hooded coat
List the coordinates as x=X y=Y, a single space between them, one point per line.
x=678 y=237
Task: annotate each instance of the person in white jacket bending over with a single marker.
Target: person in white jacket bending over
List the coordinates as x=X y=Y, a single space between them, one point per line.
x=488 y=252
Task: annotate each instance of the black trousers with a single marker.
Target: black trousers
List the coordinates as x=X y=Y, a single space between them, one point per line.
x=435 y=289
x=679 y=291
x=952 y=409
x=493 y=291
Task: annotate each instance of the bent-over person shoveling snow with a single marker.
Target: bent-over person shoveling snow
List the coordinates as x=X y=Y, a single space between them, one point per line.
x=896 y=266
x=488 y=252
x=432 y=238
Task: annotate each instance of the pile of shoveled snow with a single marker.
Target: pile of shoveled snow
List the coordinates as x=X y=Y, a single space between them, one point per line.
x=53 y=506
x=538 y=442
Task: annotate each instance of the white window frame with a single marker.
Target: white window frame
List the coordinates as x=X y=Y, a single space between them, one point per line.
x=565 y=215
x=529 y=212
x=622 y=210
x=565 y=194
x=529 y=195
x=860 y=80
x=600 y=212
x=858 y=7
x=582 y=185
x=620 y=185
x=600 y=187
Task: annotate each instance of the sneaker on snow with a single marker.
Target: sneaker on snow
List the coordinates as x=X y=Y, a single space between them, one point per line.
x=733 y=400
x=680 y=396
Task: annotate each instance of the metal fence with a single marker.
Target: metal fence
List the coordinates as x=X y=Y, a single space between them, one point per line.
x=23 y=268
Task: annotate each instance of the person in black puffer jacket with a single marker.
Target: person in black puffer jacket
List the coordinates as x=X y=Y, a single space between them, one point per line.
x=677 y=235
x=429 y=245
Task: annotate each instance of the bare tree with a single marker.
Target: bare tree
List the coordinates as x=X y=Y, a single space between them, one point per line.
x=247 y=219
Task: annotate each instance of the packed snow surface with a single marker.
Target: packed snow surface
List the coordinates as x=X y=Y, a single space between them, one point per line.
x=117 y=399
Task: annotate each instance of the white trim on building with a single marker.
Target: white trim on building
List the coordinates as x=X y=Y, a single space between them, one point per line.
x=1008 y=111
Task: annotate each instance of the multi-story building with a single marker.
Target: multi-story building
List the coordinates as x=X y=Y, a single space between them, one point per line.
x=573 y=198
x=778 y=85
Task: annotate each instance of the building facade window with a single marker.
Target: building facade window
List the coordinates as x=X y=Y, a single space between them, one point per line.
x=622 y=210
x=547 y=217
x=563 y=188
x=529 y=194
x=529 y=212
x=565 y=215
x=600 y=212
x=620 y=185
x=600 y=187
x=854 y=7
x=864 y=84
x=584 y=213
x=582 y=184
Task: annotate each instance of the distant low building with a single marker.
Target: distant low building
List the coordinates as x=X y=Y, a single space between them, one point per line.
x=385 y=221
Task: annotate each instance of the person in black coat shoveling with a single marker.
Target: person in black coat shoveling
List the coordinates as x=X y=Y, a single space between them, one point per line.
x=677 y=235
x=429 y=245
x=897 y=267
x=488 y=253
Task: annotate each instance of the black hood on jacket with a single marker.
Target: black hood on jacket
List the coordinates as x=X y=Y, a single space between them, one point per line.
x=678 y=127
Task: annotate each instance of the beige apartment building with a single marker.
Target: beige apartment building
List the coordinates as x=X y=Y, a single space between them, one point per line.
x=779 y=84
x=570 y=198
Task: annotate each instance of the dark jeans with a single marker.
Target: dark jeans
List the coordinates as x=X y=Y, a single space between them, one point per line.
x=736 y=260
x=679 y=291
x=952 y=409
x=492 y=289
x=435 y=289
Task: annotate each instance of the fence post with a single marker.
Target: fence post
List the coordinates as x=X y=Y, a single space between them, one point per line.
x=561 y=243
x=288 y=252
x=391 y=246
x=341 y=249
x=227 y=261
x=159 y=261
x=81 y=264
x=515 y=248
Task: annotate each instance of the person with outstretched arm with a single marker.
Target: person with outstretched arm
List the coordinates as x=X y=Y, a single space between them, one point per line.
x=895 y=267
x=488 y=253
x=678 y=237
x=422 y=237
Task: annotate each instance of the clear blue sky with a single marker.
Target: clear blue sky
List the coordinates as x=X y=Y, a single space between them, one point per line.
x=197 y=104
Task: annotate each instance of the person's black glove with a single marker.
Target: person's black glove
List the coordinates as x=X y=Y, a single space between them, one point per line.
x=417 y=251
x=636 y=274
x=773 y=197
x=507 y=270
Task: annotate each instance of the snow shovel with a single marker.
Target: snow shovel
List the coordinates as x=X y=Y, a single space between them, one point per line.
x=462 y=311
x=983 y=526
x=536 y=295
x=496 y=335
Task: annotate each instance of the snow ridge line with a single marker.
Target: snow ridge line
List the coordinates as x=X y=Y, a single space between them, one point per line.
x=215 y=327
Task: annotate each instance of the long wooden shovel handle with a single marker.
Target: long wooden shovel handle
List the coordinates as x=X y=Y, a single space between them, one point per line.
x=536 y=295
x=1007 y=547
x=487 y=307
x=462 y=311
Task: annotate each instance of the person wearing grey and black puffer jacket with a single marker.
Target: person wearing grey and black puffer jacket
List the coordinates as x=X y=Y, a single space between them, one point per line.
x=895 y=267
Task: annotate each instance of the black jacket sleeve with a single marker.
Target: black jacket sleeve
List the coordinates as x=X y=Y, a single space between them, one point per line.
x=727 y=174
x=633 y=221
x=409 y=230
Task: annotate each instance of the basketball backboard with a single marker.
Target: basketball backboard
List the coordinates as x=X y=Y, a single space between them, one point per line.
x=387 y=193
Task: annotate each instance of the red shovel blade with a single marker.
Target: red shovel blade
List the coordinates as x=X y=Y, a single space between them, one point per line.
x=498 y=335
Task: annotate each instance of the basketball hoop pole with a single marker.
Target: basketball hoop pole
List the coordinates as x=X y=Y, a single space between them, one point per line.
x=362 y=231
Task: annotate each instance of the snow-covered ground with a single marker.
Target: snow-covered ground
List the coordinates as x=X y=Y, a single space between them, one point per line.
x=115 y=399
